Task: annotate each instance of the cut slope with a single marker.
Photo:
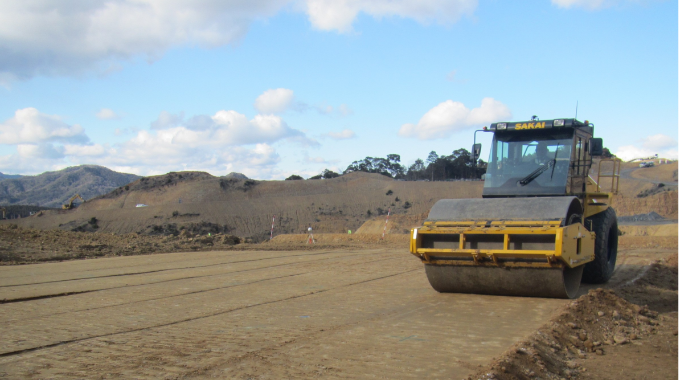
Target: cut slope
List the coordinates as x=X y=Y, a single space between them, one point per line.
x=246 y=207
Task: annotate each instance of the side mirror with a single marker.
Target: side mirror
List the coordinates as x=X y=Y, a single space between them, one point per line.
x=595 y=147
x=476 y=150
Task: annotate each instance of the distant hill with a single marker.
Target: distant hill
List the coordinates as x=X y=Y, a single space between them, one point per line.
x=9 y=176
x=52 y=189
x=235 y=175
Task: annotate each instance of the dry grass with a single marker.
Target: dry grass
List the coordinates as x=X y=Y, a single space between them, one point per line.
x=329 y=206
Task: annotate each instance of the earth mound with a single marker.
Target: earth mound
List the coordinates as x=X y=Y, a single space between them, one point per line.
x=156 y=182
x=602 y=331
x=235 y=175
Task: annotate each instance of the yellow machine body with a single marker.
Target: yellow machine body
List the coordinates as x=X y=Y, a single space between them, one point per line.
x=521 y=246
x=69 y=205
x=570 y=246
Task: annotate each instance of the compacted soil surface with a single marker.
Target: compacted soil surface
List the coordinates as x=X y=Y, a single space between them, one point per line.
x=337 y=308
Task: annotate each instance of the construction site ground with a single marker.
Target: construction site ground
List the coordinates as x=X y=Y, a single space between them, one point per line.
x=180 y=289
x=344 y=307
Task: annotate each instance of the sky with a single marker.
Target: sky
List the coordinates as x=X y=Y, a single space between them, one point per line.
x=271 y=88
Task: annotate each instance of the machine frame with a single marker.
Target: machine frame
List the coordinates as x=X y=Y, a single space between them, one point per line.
x=487 y=238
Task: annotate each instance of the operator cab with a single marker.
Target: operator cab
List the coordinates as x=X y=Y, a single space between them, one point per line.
x=540 y=158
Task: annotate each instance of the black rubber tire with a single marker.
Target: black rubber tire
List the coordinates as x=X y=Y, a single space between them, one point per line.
x=606 y=231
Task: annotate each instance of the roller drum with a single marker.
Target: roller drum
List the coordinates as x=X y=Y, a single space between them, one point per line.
x=524 y=282
x=503 y=209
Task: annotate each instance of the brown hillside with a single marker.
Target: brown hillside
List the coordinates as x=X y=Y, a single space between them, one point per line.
x=202 y=204
x=397 y=224
x=665 y=204
x=658 y=173
x=245 y=207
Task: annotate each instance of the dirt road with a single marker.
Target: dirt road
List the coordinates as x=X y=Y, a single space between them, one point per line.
x=256 y=314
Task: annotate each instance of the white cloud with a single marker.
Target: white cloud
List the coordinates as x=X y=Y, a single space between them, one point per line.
x=344 y=110
x=233 y=128
x=274 y=101
x=261 y=155
x=593 y=4
x=225 y=128
x=107 y=114
x=15 y=164
x=147 y=155
x=44 y=150
x=28 y=126
x=43 y=37
x=324 y=109
x=167 y=120
x=343 y=135
x=449 y=116
x=340 y=111
x=588 y=4
x=629 y=152
x=227 y=141
x=314 y=160
x=151 y=153
x=340 y=14
x=663 y=145
x=90 y=150
x=659 y=141
x=66 y=37
x=304 y=141
x=453 y=76
x=279 y=100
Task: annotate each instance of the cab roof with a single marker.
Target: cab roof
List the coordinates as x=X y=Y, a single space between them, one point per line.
x=538 y=124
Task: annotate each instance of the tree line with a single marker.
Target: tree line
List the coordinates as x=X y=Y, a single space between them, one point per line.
x=457 y=165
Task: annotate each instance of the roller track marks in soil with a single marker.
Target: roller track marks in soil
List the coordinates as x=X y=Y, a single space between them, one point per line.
x=70 y=341
x=64 y=294
x=163 y=270
x=278 y=350
x=240 y=253
x=46 y=296
x=172 y=296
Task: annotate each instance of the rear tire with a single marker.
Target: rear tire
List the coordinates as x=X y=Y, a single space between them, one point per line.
x=606 y=231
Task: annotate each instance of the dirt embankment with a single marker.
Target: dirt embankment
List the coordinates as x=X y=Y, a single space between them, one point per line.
x=246 y=207
x=665 y=204
x=653 y=230
x=629 y=332
x=649 y=236
x=396 y=224
x=21 y=246
x=24 y=245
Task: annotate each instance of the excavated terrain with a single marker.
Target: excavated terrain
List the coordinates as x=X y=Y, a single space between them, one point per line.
x=85 y=300
x=324 y=312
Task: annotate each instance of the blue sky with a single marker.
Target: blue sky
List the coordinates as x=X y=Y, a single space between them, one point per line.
x=271 y=88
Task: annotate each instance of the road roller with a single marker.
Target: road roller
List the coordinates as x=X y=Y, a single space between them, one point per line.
x=544 y=224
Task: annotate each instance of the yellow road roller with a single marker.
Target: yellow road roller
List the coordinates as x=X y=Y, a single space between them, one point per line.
x=543 y=224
